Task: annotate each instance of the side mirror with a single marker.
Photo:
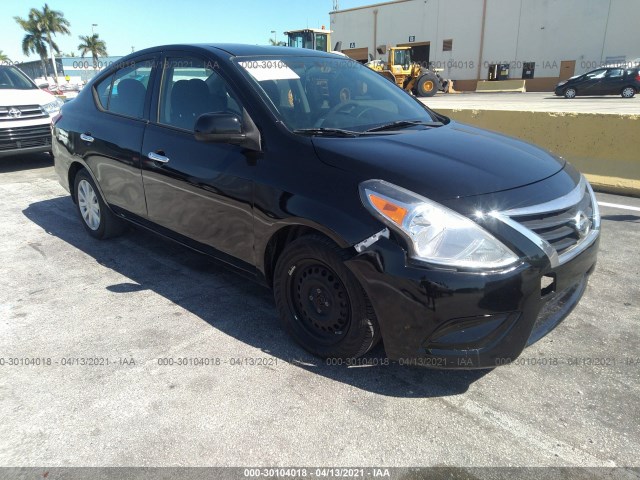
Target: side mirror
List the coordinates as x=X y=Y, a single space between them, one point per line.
x=219 y=128
x=228 y=128
x=42 y=86
x=338 y=47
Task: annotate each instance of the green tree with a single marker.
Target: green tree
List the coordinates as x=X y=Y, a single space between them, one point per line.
x=49 y=22
x=94 y=45
x=277 y=44
x=3 y=57
x=33 y=40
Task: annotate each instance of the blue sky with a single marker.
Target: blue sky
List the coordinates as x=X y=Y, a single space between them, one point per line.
x=145 y=23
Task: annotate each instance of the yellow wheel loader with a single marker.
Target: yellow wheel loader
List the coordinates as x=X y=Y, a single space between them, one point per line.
x=410 y=76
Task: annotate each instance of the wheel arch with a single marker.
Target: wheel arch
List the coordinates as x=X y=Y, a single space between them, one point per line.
x=635 y=89
x=76 y=167
x=287 y=234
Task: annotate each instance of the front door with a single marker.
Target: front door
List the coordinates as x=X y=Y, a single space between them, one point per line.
x=200 y=192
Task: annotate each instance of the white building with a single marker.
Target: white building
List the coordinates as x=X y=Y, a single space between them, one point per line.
x=544 y=40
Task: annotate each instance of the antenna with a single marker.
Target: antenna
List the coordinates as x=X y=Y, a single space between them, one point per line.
x=336 y=5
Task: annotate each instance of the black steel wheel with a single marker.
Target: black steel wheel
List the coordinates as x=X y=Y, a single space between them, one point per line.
x=321 y=303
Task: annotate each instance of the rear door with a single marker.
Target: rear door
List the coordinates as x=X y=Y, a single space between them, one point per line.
x=197 y=192
x=613 y=81
x=110 y=140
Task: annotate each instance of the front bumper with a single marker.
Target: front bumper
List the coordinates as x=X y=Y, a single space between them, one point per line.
x=448 y=319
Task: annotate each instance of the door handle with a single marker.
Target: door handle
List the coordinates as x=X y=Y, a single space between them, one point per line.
x=86 y=137
x=157 y=157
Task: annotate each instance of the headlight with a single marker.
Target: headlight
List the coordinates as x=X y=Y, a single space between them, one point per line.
x=52 y=107
x=434 y=233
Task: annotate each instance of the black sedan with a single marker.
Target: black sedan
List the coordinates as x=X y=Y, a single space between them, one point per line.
x=622 y=81
x=371 y=216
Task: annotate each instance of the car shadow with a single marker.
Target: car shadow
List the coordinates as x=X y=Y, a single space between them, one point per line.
x=583 y=97
x=30 y=161
x=622 y=218
x=228 y=302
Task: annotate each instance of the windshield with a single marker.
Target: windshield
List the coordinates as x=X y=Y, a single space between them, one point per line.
x=12 y=78
x=402 y=57
x=301 y=40
x=328 y=93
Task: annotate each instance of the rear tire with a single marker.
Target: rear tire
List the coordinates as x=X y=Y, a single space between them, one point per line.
x=570 y=93
x=628 y=92
x=321 y=303
x=427 y=85
x=98 y=220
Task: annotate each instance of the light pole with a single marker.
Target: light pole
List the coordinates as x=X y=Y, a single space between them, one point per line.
x=275 y=38
x=93 y=25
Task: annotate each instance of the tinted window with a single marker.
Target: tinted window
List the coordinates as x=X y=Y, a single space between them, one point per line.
x=125 y=91
x=615 y=72
x=191 y=87
x=103 y=88
x=596 y=74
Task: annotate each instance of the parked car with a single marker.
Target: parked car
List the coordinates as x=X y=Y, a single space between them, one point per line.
x=25 y=113
x=370 y=215
x=622 y=81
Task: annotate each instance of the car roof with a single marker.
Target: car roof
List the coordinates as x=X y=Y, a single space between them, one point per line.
x=238 y=50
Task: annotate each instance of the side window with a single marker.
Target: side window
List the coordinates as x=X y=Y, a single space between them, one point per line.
x=125 y=91
x=596 y=74
x=191 y=87
x=615 y=73
x=104 y=89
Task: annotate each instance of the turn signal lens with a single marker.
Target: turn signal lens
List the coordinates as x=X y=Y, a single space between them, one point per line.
x=393 y=212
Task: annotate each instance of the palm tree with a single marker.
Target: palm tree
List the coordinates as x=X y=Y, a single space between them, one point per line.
x=3 y=57
x=49 y=23
x=277 y=44
x=94 y=45
x=33 y=41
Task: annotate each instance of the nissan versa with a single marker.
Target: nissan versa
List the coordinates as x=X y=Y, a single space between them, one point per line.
x=371 y=216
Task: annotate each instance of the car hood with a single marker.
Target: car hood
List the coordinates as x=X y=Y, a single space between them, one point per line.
x=13 y=97
x=451 y=161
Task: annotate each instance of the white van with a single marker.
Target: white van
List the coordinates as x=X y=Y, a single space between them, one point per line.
x=25 y=114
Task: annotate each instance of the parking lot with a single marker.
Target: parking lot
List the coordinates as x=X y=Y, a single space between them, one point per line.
x=138 y=352
x=535 y=102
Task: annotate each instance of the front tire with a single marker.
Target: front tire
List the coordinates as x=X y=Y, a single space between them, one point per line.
x=570 y=93
x=628 y=92
x=97 y=218
x=321 y=303
x=427 y=85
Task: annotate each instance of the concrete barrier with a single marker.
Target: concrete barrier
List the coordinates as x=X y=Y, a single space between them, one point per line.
x=605 y=147
x=501 y=86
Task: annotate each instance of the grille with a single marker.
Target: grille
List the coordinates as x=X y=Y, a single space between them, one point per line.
x=25 y=137
x=561 y=229
x=25 y=112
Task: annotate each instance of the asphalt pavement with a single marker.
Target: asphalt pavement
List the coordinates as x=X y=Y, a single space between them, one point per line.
x=139 y=352
x=535 y=102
